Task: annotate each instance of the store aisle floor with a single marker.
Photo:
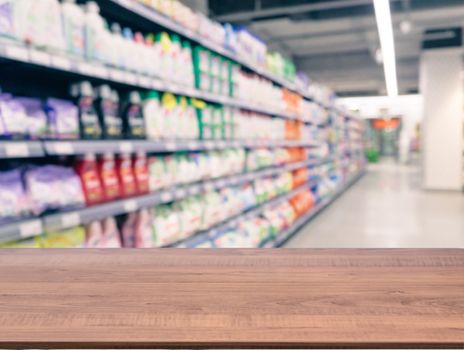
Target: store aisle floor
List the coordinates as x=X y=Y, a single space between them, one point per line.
x=387 y=209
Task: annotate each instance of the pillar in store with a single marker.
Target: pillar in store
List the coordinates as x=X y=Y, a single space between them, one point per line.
x=442 y=88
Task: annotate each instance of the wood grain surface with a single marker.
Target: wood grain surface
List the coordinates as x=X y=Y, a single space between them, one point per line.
x=282 y=298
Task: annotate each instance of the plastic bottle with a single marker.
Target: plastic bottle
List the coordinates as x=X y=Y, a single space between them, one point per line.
x=109 y=177
x=177 y=69
x=119 y=46
x=89 y=125
x=153 y=115
x=186 y=64
x=140 y=168
x=126 y=177
x=133 y=121
x=154 y=54
x=132 y=50
x=73 y=27
x=142 y=53
x=94 y=30
x=107 y=106
x=87 y=170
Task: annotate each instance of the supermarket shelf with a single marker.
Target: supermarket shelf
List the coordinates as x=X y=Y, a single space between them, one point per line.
x=299 y=223
x=20 y=229
x=24 y=149
x=21 y=149
x=96 y=70
x=97 y=212
x=171 y=25
x=130 y=146
x=216 y=230
x=51 y=222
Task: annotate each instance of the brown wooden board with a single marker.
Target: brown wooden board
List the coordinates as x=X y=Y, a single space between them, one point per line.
x=284 y=298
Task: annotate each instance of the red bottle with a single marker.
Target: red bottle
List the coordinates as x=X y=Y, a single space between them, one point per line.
x=140 y=166
x=126 y=176
x=109 y=177
x=87 y=170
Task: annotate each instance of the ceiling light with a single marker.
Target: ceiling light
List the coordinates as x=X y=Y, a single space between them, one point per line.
x=405 y=26
x=378 y=56
x=384 y=26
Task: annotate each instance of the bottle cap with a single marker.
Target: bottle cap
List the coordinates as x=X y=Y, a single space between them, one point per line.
x=92 y=7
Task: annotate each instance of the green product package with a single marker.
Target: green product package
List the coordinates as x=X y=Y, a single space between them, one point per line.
x=206 y=117
x=202 y=68
x=232 y=78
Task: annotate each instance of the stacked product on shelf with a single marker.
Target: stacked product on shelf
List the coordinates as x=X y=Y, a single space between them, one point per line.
x=247 y=192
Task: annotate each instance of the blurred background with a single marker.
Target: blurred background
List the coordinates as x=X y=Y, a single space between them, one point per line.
x=216 y=124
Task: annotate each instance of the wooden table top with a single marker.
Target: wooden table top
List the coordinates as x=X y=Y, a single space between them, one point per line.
x=212 y=298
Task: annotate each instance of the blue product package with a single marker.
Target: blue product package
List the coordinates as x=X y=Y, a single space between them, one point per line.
x=6 y=17
x=13 y=118
x=52 y=187
x=13 y=200
x=63 y=118
x=35 y=117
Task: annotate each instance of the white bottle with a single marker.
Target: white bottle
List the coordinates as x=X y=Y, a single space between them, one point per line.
x=51 y=22
x=94 y=32
x=73 y=27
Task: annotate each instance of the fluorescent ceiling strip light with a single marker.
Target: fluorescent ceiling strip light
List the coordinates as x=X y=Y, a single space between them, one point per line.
x=384 y=26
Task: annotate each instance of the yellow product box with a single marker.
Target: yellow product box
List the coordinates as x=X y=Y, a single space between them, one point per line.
x=70 y=238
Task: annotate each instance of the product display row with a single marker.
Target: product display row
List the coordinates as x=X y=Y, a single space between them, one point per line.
x=81 y=31
x=35 y=189
x=179 y=133
x=204 y=210
x=99 y=113
x=166 y=224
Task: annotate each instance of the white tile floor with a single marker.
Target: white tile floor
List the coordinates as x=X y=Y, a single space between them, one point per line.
x=387 y=209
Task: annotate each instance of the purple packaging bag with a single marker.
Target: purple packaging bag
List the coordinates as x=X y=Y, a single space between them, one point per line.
x=36 y=118
x=63 y=118
x=13 y=116
x=13 y=200
x=53 y=187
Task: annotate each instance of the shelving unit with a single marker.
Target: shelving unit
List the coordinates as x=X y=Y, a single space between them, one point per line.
x=70 y=68
x=92 y=70
x=52 y=222
x=30 y=149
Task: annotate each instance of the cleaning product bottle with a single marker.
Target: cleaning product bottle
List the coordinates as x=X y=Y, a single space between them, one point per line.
x=119 y=46
x=153 y=115
x=133 y=121
x=176 y=59
x=187 y=65
x=94 y=28
x=89 y=124
x=73 y=27
x=109 y=177
x=140 y=168
x=164 y=46
x=142 y=53
x=133 y=58
x=126 y=176
x=107 y=106
x=87 y=170
x=152 y=55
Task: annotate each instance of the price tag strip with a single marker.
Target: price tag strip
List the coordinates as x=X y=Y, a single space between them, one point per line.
x=17 y=149
x=30 y=228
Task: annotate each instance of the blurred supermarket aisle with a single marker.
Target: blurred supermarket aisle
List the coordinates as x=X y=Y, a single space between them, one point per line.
x=387 y=209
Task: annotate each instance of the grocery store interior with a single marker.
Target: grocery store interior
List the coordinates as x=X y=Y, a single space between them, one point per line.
x=231 y=124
